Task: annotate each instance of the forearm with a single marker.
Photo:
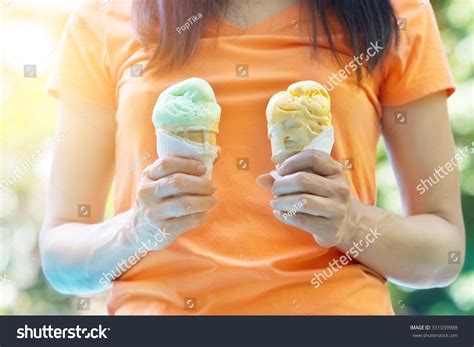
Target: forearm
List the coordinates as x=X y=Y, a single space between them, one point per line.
x=78 y=258
x=411 y=251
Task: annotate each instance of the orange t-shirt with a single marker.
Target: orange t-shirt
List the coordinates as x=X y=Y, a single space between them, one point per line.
x=244 y=261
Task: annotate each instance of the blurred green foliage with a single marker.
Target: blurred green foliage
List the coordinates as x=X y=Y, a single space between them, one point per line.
x=23 y=288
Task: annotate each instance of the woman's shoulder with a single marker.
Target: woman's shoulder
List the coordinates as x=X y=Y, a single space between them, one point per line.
x=108 y=24
x=418 y=65
x=412 y=13
x=119 y=11
x=105 y=15
x=101 y=20
x=416 y=22
x=403 y=6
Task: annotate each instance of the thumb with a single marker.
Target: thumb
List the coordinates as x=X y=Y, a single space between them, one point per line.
x=265 y=181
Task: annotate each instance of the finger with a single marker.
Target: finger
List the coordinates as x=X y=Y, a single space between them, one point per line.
x=321 y=228
x=168 y=165
x=180 y=206
x=312 y=159
x=302 y=182
x=179 y=183
x=303 y=203
x=265 y=181
x=146 y=189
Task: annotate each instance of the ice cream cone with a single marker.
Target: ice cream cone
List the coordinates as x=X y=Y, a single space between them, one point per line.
x=186 y=118
x=202 y=136
x=296 y=117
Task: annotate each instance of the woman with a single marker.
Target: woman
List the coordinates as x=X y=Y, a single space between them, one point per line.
x=181 y=244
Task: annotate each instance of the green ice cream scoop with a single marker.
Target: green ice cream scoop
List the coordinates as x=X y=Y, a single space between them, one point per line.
x=191 y=104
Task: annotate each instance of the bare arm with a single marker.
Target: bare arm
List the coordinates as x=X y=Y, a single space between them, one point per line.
x=416 y=245
x=79 y=248
x=412 y=249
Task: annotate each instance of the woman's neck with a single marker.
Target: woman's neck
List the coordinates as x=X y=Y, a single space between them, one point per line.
x=246 y=13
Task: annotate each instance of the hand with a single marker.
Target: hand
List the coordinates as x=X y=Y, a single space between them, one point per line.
x=172 y=198
x=313 y=195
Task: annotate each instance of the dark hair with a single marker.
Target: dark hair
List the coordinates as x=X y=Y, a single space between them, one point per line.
x=365 y=22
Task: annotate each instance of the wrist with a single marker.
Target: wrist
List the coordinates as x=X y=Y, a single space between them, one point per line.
x=147 y=234
x=349 y=229
x=126 y=221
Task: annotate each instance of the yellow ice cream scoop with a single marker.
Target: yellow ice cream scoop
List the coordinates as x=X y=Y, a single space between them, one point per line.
x=295 y=117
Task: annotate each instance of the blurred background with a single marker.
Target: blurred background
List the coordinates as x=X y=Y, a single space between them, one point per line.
x=30 y=33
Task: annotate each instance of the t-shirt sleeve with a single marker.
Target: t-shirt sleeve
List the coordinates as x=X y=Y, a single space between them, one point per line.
x=81 y=68
x=418 y=66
